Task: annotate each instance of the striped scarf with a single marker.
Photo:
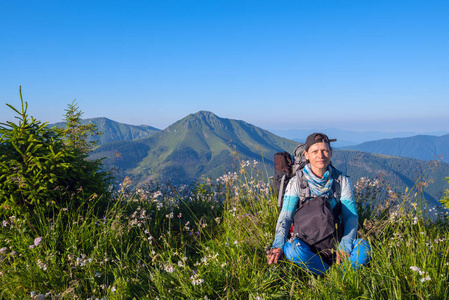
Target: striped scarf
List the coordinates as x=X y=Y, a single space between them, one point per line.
x=319 y=186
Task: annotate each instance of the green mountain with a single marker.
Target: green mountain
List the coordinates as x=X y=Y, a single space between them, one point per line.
x=204 y=144
x=425 y=147
x=115 y=131
x=200 y=144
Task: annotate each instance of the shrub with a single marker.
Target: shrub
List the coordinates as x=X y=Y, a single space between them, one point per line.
x=38 y=169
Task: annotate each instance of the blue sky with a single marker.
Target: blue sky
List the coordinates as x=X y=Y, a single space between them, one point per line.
x=353 y=65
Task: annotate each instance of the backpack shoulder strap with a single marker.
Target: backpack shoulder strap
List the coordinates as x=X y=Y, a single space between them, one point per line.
x=281 y=190
x=337 y=176
x=303 y=187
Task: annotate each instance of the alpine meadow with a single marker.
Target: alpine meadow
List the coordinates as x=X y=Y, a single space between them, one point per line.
x=189 y=212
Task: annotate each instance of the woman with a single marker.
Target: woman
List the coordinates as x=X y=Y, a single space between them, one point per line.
x=320 y=178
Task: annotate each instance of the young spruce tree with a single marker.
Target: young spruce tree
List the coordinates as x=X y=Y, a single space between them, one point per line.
x=40 y=169
x=77 y=135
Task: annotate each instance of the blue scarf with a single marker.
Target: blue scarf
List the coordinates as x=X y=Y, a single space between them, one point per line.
x=319 y=186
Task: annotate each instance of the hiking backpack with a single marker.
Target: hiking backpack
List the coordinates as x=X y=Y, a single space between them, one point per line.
x=285 y=168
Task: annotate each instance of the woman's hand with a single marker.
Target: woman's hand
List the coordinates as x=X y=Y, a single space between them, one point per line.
x=341 y=256
x=275 y=255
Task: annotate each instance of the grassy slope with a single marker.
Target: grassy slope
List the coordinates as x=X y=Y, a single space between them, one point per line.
x=210 y=241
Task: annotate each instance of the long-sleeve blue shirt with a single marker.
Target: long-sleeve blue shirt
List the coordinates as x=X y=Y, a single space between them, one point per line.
x=349 y=214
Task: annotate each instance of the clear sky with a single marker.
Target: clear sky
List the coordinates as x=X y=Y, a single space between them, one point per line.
x=355 y=65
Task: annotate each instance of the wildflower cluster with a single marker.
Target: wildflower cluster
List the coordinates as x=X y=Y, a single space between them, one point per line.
x=374 y=197
x=196 y=280
x=227 y=178
x=421 y=273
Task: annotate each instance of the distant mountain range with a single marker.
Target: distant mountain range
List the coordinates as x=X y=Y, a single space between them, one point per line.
x=348 y=138
x=115 y=131
x=203 y=144
x=423 y=147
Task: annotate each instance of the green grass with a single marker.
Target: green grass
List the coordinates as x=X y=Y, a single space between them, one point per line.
x=208 y=241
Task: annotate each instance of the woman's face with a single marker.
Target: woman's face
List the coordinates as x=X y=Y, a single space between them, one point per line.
x=319 y=155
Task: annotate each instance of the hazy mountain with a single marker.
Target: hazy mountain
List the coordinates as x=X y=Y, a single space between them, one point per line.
x=205 y=144
x=115 y=131
x=423 y=147
x=347 y=138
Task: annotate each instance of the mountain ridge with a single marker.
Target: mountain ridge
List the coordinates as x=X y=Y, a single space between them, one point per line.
x=424 y=147
x=114 y=131
x=205 y=145
x=199 y=144
x=348 y=138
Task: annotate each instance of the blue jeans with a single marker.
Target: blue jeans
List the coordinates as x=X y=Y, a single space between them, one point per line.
x=299 y=252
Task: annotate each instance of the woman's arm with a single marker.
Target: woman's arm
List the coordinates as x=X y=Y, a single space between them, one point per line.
x=349 y=215
x=285 y=218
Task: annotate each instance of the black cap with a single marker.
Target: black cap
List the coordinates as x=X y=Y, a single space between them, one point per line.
x=317 y=138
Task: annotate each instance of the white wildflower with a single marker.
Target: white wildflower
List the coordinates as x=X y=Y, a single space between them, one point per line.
x=37 y=241
x=35 y=296
x=416 y=269
x=196 y=280
x=41 y=264
x=169 y=268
